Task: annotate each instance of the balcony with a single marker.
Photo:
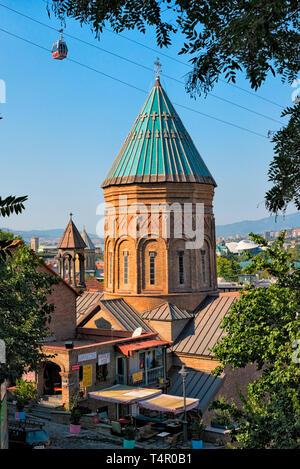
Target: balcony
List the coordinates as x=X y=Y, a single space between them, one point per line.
x=150 y=376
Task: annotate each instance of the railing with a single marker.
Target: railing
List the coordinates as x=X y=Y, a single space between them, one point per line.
x=150 y=376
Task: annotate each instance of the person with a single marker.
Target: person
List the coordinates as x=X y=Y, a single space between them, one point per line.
x=148 y=360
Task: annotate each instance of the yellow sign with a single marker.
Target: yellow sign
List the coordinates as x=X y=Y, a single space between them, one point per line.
x=87 y=376
x=137 y=377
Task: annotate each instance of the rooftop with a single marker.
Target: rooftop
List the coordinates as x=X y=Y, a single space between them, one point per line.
x=158 y=148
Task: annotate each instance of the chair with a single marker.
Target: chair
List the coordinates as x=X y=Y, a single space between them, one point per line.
x=116 y=428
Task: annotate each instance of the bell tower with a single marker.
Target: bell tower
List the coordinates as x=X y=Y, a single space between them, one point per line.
x=70 y=255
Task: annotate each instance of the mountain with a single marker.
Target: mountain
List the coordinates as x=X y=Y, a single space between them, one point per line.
x=242 y=227
x=258 y=226
x=50 y=235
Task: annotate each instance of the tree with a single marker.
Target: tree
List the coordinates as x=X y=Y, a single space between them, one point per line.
x=223 y=38
x=8 y=206
x=228 y=268
x=24 y=311
x=262 y=329
x=284 y=170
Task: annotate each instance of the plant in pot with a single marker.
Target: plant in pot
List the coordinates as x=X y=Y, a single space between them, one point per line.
x=197 y=428
x=129 y=437
x=75 y=415
x=25 y=393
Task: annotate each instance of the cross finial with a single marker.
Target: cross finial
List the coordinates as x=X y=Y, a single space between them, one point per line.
x=157 y=67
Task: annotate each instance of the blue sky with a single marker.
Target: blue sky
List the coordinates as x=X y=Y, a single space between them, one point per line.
x=63 y=125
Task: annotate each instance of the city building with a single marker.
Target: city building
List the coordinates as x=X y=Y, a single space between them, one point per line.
x=34 y=244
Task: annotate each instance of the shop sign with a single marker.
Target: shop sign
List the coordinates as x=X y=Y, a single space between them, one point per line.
x=75 y=367
x=87 y=356
x=87 y=376
x=137 y=377
x=104 y=358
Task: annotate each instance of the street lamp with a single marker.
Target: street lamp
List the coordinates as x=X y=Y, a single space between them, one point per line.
x=184 y=374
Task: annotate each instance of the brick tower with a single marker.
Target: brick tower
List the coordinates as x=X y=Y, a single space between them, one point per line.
x=158 y=168
x=71 y=256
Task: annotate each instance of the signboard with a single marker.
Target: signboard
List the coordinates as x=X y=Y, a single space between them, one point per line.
x=75 y=367
x=87 y=376
x=87 y=356
x=137 y=377
x=104 y=358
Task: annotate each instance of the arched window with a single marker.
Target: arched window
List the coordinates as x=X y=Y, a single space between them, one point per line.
x=203 y=265
x=181 y=267
x=125 y=254
x=152 y=268
x=110 y=267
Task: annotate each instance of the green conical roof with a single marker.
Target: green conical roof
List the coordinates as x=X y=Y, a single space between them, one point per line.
x=158 y=148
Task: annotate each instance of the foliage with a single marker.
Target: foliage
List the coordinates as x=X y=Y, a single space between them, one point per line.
x=24 y=393
x=223 y=37
x=228 y=268
x=75 y=416
x=9 y=205
x=222 y=415
x=129 y=432
x=284 y=171
x=197 y=428
x=262 y=329
x=24 y=311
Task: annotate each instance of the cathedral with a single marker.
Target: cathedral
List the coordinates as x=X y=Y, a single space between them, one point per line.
x=160 y=307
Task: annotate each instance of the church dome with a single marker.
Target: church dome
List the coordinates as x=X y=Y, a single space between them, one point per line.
x=158 y=148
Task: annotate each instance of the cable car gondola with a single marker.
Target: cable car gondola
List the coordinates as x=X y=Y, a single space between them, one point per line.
x=59 y=48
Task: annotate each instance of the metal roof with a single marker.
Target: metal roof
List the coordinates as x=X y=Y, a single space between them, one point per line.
x=203 y=331
x=128 y=349
x=126 y=316
x=71 y=238
x=89 y=243
x=166 y=312
x=158 y=148
x=199 y=385
x=86 y=303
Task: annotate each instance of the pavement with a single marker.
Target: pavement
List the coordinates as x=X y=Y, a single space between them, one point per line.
x=93 y=438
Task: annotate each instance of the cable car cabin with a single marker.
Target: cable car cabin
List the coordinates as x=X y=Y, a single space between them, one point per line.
x=59 y=50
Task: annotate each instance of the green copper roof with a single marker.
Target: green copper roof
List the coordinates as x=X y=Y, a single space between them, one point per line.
x=158 y=148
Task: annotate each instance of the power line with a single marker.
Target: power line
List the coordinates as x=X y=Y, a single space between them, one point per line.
x=132 y=86
x=138 y=64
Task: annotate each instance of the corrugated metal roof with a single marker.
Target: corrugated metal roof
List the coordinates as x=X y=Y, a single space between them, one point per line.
x=158 y=148
x=125 y=315
x=86 y=302
x=203 y=331
x=199 y=385
x=167 y=312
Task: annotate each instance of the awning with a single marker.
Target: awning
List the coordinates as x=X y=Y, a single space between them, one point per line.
x=128 y=349
x=169 y=403
x=122 y=394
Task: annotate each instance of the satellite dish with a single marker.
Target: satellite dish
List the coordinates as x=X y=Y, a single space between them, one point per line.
x=137 y=332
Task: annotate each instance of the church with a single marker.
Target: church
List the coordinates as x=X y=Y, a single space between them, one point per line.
x=160 y=307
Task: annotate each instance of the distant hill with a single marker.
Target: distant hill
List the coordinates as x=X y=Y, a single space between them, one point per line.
x=242 y=227
x=258 y=226
x=54 y=234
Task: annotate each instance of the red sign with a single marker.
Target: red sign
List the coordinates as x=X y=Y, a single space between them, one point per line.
x=75 y=367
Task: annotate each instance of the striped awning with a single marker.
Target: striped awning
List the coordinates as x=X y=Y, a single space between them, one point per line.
x=169 y=403
x=122 y=394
